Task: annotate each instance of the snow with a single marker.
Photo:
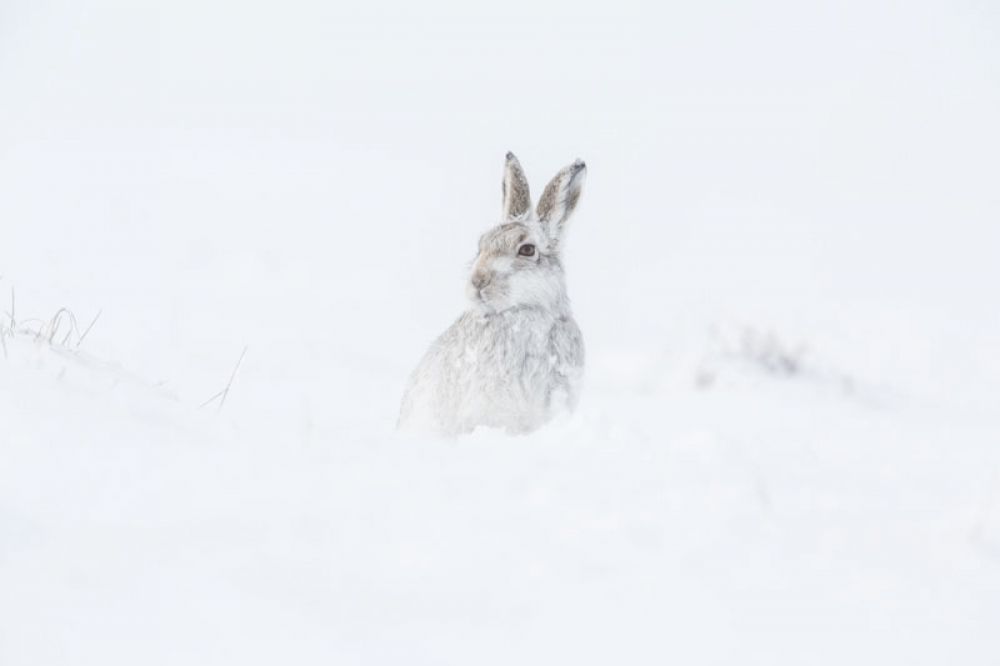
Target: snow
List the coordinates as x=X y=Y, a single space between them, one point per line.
x=783 y=263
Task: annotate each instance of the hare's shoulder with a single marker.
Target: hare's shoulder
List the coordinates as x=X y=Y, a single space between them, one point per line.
x=566 y=342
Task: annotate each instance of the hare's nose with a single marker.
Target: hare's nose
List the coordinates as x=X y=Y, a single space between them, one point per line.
x=479 y=280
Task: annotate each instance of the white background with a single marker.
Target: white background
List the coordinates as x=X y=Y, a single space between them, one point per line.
x=769 y=184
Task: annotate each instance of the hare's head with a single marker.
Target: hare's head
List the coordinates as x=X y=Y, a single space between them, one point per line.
x=518 y=260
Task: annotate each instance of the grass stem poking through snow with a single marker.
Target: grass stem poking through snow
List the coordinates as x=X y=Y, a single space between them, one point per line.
x=225 y=392
x=55 y=324
x=84 y=335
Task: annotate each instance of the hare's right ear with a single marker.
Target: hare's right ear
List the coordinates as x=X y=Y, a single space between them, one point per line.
x=560 y=198
x=516 y=197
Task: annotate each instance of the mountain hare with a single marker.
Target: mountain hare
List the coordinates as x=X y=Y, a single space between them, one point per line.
x=514 y=358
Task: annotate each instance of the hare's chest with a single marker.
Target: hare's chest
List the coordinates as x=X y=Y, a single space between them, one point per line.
x=504 y=371
x=510 y=349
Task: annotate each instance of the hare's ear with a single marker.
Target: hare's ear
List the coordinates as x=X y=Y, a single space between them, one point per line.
x=516 y=197
x=560 y=197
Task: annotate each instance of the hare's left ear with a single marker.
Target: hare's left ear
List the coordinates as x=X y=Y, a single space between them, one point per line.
x=560 y=198
x=516 y=197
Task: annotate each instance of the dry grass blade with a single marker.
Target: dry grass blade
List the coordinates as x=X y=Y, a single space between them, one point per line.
x=56 y=323
x=84 y=335
x=57 y=320
x=211 y=400
x=224 y=393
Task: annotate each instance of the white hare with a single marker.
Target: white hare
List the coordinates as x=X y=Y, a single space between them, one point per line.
x=514 y=358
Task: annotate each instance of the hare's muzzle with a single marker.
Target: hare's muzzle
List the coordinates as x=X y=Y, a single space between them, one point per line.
x=479 y=280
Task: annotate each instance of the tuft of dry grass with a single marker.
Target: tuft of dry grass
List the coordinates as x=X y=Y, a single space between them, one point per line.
x=62 y=333
x=60 y=330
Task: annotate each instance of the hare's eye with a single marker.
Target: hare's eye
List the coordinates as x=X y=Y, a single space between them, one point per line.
x=527 y=250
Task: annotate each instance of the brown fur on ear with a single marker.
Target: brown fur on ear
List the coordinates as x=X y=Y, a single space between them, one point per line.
x=516 y=196
x=560 y=198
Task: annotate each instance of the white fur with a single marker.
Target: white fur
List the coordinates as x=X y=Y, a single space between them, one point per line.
x=514 y=358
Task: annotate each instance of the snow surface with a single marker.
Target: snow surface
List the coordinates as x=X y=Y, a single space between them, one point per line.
x=784 y=265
